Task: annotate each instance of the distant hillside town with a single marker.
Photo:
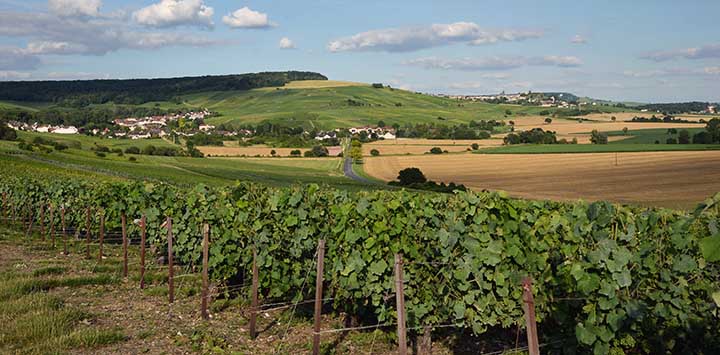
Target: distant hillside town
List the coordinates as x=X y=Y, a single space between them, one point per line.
x=561 y=100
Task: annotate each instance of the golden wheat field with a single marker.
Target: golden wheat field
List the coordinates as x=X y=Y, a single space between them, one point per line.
x=417 y=146
x=669 y=179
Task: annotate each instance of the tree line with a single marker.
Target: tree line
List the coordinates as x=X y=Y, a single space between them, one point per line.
x=80 y=93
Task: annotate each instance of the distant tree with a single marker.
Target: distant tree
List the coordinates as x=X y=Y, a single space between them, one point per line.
x=7 y=133
x=273 y=152
x=436 y=150
x=374 y=152
x=548 y=120
x=308 y=154
x=512 y=123
x=411 y=176
x=508 y=112
x=657 y=141
x=625 y=131
x=475 y=146
x=149 y=149
x=377 y=85
x=132 y=150
x=319 y=151
x=671 y=140
x=356 y=154
x=684 y=137
x=381 y=124
x=702 y=138
x=613 y=118
x=295 y=153
x=598 y=137
x=672 y=131
x=132 y=159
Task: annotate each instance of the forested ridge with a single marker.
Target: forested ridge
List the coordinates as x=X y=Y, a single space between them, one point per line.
x=80 y=93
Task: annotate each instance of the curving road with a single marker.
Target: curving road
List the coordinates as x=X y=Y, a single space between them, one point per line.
x=347 y=168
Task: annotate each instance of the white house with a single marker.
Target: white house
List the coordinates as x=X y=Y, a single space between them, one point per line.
x=65 y=130
x=388 y=135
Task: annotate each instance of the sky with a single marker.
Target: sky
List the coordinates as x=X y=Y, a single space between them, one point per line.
x=640 y=50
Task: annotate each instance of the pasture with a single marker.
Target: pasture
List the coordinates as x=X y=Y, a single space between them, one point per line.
x=668 y=179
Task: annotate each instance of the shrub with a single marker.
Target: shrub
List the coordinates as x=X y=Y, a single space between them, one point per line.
x=100 y=154
x=684 y=137
x=410 y=176
x=59 y=146
x=132 y=159
x=374 y=152
x=319 y=151
x=598 y=137
x=7 y=133
x=295 y=153
x=132 y=150
x=475 y=146
x=436 y=150
x=671 y=140
x=308 y=154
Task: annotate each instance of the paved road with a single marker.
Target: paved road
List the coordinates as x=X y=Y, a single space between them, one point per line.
x=347 y=168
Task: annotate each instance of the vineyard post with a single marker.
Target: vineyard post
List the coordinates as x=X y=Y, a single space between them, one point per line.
x=123 y=222
x=529 y=306
x=87 y=232
x=318 y=295
x=254 y=305
x=31 y=219
x=102 y=234
x=171 y=284
x=42 y=221
x=64 y=230
x=5 y=209
x=400 y=303
x=205 y=282
x=142 y=251
x=52 y=224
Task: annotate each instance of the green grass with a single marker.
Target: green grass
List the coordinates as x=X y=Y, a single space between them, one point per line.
x=649 y=136
x=328 y=107
x=594 y=148
x=82 y=163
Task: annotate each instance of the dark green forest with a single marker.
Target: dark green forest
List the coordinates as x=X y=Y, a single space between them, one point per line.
x=80 y=93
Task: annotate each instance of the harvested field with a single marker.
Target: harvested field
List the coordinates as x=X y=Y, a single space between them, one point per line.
x=668 y=179
x=256 y=150
x=403 y=146
x=626 y=116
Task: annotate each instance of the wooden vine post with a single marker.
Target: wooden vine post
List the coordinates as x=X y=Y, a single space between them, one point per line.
x=87 y=232
x=529 y=306
x=123 y=222
x=205 y=281
x=5 y=208
x=400 y=304
x=64 y=230
x=254 y=296
x=102 y=235
x=171 y=272
x=31 y=219
x=52 y=224
x=42 y=221
x=318 y=295
x=142 y=250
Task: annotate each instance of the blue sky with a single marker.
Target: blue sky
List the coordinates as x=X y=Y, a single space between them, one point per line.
x=638 y=50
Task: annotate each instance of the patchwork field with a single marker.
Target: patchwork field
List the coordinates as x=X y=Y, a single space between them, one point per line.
x=257 y=150
x=669 y=179
x=415 y=146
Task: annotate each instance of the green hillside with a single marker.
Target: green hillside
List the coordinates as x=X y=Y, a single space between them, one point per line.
x=351 y=106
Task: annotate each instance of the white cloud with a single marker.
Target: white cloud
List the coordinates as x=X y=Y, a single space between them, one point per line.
x=579 y=39
x=13 y=59
x=704 y=52
x=170 y=13
x=76 y=76
x=14 y=75
x=286 y=43
x=672 y=72
x=247 y=18
x=412 y=39
x=79 y=8
x=493 y=63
